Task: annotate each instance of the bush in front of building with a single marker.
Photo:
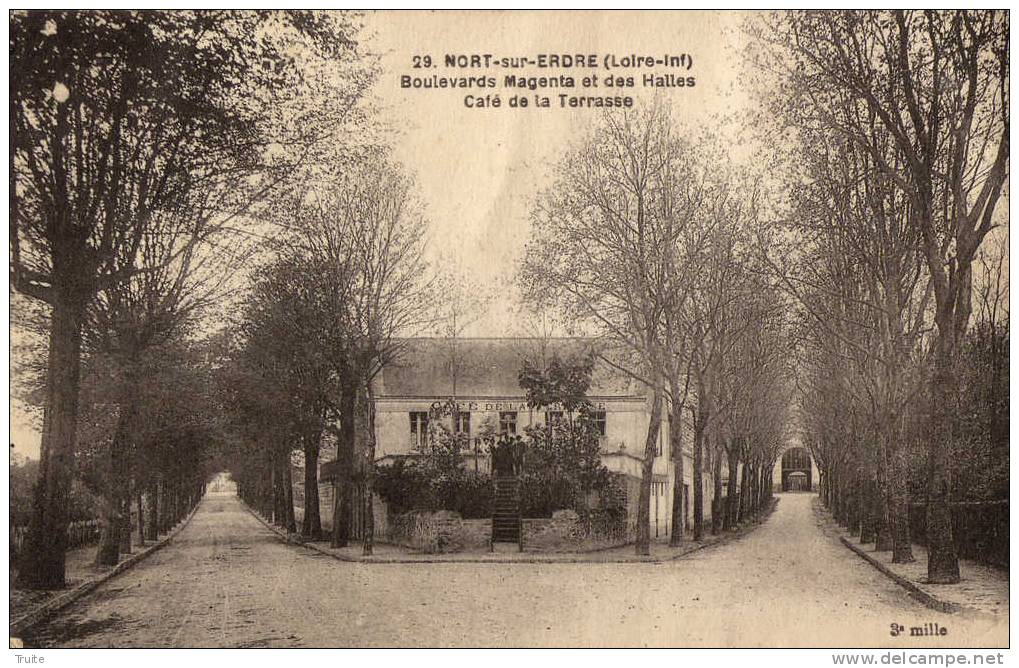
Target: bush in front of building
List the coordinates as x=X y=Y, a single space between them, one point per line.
x=544 y=492
x=467 y=492
x=563 y=469
x=408 y=486
x=404 y=486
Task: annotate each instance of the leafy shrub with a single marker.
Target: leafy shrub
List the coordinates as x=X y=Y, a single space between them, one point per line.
x=407 y=486
x=24 y=472
x=467 y=492
x=404 y=487
x=544 y=492
x=563 y=467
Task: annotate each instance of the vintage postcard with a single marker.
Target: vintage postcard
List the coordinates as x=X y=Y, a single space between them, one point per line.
x=500 y=329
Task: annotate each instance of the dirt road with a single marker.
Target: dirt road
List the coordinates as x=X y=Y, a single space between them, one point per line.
x=226 y=581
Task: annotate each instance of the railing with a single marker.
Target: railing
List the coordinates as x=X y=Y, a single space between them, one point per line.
x=83 y=532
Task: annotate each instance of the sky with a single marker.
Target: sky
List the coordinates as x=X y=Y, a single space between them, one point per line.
x=478 y=170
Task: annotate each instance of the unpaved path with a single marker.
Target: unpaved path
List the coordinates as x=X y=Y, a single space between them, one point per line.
x=226 y=581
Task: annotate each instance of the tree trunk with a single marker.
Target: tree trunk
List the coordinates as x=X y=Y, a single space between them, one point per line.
x=126 y=527
x=643 y=544
x=279 y=500
x=369 y=521
x=265 y=494
x=883 y=529
x=834 y=485
x=744 y=492
x=311 y=525
x=155 y=509
x=898 y=503
x=732 y=494
x=290 y=520
x=676 y=450
x=942 y=558
x=855 y=506
x=110 y=540
x=368 y=546
x=868 y=533
x=763 y=480
x=334 y=538
x=174 y=503
x=703 y=415
x=755 y=484
x=845 y=499
x=164 y=506
x=108 y=553
x=141 y=517
x=716 y=500
x=46 y=541
x=344 y=466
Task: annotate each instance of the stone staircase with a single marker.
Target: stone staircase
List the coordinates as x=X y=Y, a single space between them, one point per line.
x=506 y=511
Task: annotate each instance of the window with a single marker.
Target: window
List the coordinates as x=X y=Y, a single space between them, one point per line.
x=418 y=427
x=658 y=442
x=508 y=422
x=598 y=418
x=551 y=417
x=463 y=422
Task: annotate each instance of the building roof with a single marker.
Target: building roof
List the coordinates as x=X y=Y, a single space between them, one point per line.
x=484 y=367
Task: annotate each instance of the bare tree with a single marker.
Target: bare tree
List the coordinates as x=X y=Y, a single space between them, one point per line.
x=935 y=82
x=605 y=249
x=363 y=237
x=117 y=118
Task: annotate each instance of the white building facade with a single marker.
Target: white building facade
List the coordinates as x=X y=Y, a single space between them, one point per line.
x=482 y=376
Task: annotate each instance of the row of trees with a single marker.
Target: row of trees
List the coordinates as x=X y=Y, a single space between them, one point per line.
x=646 y=239
x=140 y=142
x=325 y=314
x=900 y=130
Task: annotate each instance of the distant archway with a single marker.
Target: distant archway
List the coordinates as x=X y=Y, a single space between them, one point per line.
x=796 y=473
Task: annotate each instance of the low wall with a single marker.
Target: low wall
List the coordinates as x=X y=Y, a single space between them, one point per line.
x=566 y=531
x=432 y=532
x=477 y=535
x=445 y=531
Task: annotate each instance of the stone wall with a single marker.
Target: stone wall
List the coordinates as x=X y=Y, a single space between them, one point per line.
x=567 y=531
x=445 y=531
x=477 y=535
x=432 y=532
